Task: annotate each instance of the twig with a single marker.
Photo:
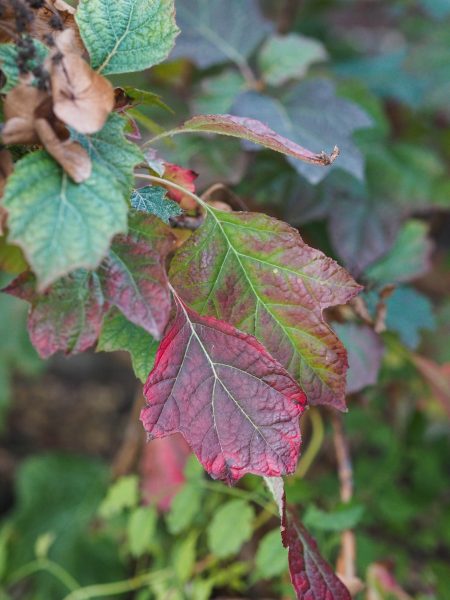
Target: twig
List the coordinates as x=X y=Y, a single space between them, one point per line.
x=133 y=440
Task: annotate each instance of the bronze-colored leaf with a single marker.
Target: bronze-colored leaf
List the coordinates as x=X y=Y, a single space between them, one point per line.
x=56 y=16
x=82 y=98
x=73 y=158
x=19 y=108
x=6 y=168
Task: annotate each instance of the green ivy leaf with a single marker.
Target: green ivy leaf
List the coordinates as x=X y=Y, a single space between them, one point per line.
x=140 y=530
x=61 y=225
x=127 y=35
x=184 y=508
x=256 y=273
x=285 y=57
x=110 y=148
x=9 y=62
x=118 y=333
x=153 y=200
x=230 y=527
x=123 y=494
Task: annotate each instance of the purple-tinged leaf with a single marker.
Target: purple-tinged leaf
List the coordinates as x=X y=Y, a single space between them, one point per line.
x=312 y=577
x=134 y=277
x=67 y=317
x=256 y=273
x=234 y=404
x=256 y=132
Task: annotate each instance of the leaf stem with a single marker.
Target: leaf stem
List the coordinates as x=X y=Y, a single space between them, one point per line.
x=313 y=449
x=175 y=186
x=117 y=587
x=44 y=564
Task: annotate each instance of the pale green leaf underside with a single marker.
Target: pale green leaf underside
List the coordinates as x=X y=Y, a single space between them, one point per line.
x=118 y=333
x=152 y=200
x=127 y=35
x=60 y=225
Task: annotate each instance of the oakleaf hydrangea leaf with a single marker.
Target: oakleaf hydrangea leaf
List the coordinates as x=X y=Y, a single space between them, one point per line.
x=213 y=31
x=153 y=200
x=126 y=35
x=60 y=225
x=285 y=57
x=67 y=317
x=134 y=277
x=110 y=148
x=310 y=114
x=118 y=333
x=9 y=55
x=256 y=132
x=257 y=273
x=234 y=404
x=312 y=577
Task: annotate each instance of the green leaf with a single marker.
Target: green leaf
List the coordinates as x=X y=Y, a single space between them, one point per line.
x=285 y=57
x=141 y=527
x=184 y=556
x=185 y=507
x=145 y=97
x=217 y=94
x=118 y=333
x=126 y=35
x=256 y=273
x=230 y=527
x=61 y=225
x=9 y=54
x=271 y=558
x=124 y=493
x=153 y=199
x=313 y=116
x=346 y=517
x=214 y=31
x=407 y=259
x=110 y=149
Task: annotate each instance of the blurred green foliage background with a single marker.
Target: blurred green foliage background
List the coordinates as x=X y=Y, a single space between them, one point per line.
x=86 y=506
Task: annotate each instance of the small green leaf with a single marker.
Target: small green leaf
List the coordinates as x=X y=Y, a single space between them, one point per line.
x=184 y=556
x=152 y=199
x=185 y=507
x=127 y=35
x=285 y=57
x=9 y=54
x=230 y=528
x=272 y=557
x=110 y=148
x=61 y=225
x=141 y=527
x=43 y=544
x=346 y=517
x=120 y=334
x=145 y=97
x=124 y=493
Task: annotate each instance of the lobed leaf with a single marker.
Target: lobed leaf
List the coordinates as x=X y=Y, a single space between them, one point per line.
x=134 y=277
x=110 y=149
x=60 y=225
x=234 y=404
x=257 y=273
x=153 y=200
x=118 y=333
x=126 y=35
x=256 y=132
x=312 y=115
x=67 y=317
x=213 y=31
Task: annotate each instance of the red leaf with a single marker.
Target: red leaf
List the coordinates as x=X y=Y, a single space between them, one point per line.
x=183 y=177
x=134 y=278
x=258 y=133
x=67 y=317
x=162 y=470
x=312 y=577
x=234 y=404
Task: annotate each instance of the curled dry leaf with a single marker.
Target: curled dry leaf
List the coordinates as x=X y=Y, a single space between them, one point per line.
x=20 y=107
x=56 y=12
x=73 y=158
x=82 y=98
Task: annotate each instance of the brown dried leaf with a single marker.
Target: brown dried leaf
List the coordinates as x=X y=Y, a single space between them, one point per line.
x=59 y=13
x=73 y=158
x=6 y=168
x=20 y=107
x=82 y=98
